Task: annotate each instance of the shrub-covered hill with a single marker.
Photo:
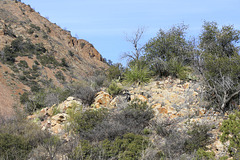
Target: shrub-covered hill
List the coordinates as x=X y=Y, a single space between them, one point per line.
x=164 y=119
x=36 y=53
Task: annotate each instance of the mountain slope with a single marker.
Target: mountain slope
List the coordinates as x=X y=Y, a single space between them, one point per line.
x=35 y=52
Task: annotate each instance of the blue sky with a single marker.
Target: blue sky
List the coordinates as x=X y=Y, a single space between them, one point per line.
x=105 y=23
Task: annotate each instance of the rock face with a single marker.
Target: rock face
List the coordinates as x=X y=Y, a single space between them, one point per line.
x=20 y=20
x=54 y=118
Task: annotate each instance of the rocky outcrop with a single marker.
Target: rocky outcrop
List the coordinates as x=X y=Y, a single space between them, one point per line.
x=172 y=100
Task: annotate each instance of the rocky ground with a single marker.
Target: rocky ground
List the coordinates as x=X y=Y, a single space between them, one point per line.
x=171 y=99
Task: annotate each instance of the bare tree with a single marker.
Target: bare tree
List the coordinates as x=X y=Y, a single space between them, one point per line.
x=138 y=49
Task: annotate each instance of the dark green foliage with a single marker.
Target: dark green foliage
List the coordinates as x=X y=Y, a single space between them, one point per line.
x=13 y=146
x=199 y=137
x=36 y=62
x=71 y=53
x=169 y=46
x=8 y=31
x=82 y=45
x=19 y=137
x=218 y=63
x=128 y=147
x=30 y=31
x=23 y=64
x=114 y=89
x=137 y=75
x=131 y=119
x=115 y=72
x=64 y=62
x=19 y=47
x=24 y=98
x=82 y=121
x=59 y=75
x=47 y=60
x=84 y=151
x=33 y=26
x=231 y=131
x=201 y=154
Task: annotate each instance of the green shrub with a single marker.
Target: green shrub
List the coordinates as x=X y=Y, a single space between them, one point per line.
x=13 y=146
x=30 y=31
x=231 y=132
x=23 y=64
x=177 y=69
x=33 y=26
x=199 y=137
x=71 y=53
x=114 y=89
x=84 y=151
x=201 y=154
x=83 y=121
x=24 y=98
x=137 y=75
x=59 y=75
x=115 y=72
x=64 y=62
x=82 y=45
x=127 y=147
x=48 y=60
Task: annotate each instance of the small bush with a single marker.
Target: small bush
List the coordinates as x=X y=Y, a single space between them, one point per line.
x=130 y=146
x=85 y=93
x=131 y=119
x=114 y=89
x=199 y=137
x=82 y=45
x=48 y=60
x=127 y=147
x=33 y=26
x=30 y=31
x=231 y=132
x=201 y=154
x=177 y=69
x=137 y=75
x=84 y=121
x=115 y=72
x=71 y=53
x=59 y=75
x=13 y=146
x=64 y=62
x=23 y=64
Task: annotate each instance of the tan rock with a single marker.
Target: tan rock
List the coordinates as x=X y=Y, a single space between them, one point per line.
x=58 y=128
x=58 y=118
x=50 y=111
x=158 y=105
x=115 y=102
x=141 y=98
x=186 y=85
x=70 y=98
x=103 y=99
x=162 y=110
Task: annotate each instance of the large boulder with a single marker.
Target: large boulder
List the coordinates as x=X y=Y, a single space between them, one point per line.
x=102 y=99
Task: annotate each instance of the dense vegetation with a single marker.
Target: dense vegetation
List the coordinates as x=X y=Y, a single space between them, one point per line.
x=125 y=133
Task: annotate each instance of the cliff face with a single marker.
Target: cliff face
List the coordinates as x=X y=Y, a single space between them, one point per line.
x=46 y=50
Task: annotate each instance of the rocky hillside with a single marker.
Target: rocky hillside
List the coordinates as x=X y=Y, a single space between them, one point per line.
x=35 y=51
x=176 y=106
